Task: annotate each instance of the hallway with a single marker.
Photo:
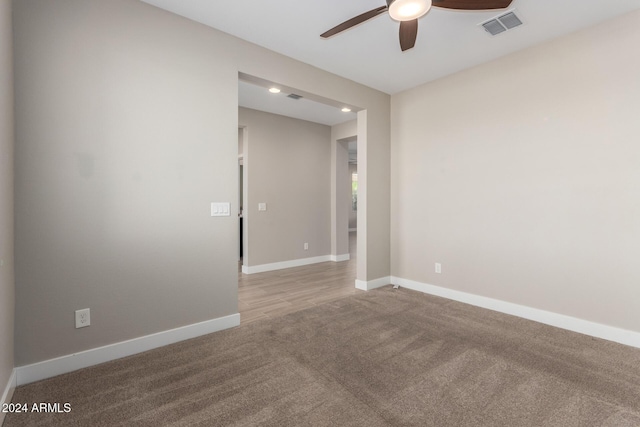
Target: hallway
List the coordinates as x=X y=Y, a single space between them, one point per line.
x=276 y=293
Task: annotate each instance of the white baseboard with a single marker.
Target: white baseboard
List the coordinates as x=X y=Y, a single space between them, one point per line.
x=285 y=264
x=72 y=362
x=372 y=284
x=340 y=258
x=8 y=393
x=562 y=321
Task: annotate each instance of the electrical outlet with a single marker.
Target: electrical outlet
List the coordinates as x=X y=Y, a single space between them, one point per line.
x=438 y=268
x=306 y=246
x=83 y=318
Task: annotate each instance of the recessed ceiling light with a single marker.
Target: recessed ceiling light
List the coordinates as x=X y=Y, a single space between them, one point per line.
x=346 y=110
x=274 y=90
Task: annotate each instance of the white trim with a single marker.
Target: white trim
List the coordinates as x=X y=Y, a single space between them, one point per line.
x=72 y=362
x=284 y=264
x=8 y=393
x=373 y=284
x=562 y=321
x=340 y=258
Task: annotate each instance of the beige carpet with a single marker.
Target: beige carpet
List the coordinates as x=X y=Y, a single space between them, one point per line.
x=381 y=358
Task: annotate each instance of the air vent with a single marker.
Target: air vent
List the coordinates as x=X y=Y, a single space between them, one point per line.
x=510 y=20
x=294 y=96
x=502 y=23
x=494 y=27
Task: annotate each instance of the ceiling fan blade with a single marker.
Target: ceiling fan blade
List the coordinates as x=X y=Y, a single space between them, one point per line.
x=354 y=21
x=472 y=4
x=408 y=34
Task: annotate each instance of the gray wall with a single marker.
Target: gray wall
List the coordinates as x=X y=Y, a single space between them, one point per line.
x=288 y=163
x=6 y=196
x=521 y=177
x=126 y=130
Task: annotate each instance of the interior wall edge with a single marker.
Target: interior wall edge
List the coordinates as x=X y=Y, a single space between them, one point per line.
x=8 y=393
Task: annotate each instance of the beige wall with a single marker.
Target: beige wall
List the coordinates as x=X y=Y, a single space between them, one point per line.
x=374 y=192
x=288 y=163
x=521 y=177
x=6 y=197
x=126 y=132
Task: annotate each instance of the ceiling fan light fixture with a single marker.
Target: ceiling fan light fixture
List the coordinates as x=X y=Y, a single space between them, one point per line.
x=408 y=10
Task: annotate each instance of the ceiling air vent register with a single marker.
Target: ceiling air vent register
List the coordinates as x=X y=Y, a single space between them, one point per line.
x=502 y=23
x=294 y=96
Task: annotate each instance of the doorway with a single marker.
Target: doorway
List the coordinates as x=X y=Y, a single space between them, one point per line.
x=286 y=168
x=261 y=207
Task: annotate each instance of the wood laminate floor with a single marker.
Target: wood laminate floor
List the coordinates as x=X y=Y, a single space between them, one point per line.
x=276 y=293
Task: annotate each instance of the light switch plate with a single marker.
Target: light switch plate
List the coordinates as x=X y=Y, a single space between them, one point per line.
x=221 y=209
x=262 y=206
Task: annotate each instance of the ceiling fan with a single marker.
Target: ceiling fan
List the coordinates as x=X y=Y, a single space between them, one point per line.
x=407 y=13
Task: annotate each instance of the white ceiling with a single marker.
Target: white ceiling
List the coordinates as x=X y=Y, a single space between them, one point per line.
x=448 y=41
x=259 y=98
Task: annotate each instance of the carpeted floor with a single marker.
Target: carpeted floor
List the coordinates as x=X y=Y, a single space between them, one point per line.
x=381 y=358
